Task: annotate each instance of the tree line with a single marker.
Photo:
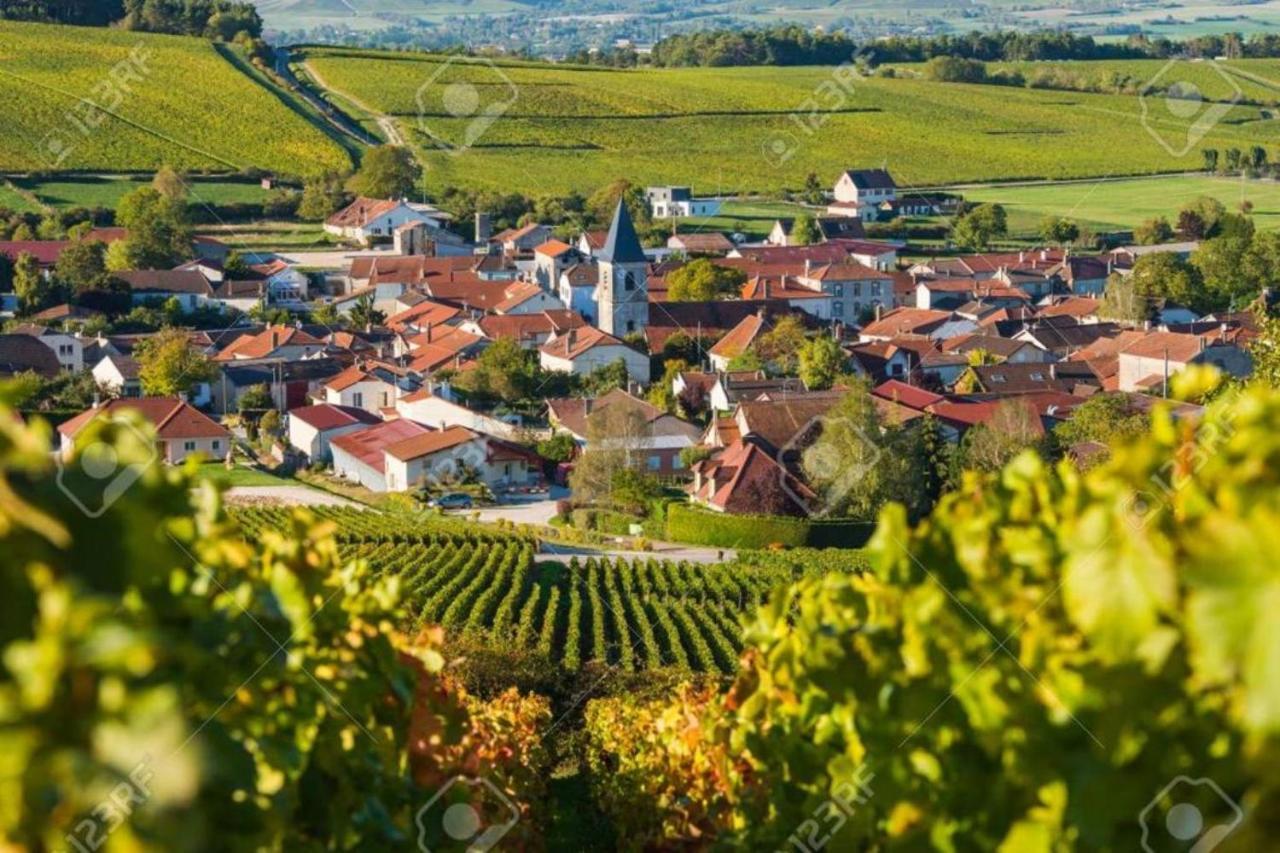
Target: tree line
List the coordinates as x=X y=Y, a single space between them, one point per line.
x=795 y=45
x=226 y=20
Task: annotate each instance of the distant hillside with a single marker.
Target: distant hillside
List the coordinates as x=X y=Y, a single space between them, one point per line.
x=550 y=129
x=163 y=99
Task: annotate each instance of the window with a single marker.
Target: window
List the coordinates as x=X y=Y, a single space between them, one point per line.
x=64 y=349
x=677 y=463
x=631 y=325
x=217 y=444
x=188 y=446
x=837 y=290
x=837 y=309
x=655 y=463
x=628 y=281
x=357 y=400
x=895 y=369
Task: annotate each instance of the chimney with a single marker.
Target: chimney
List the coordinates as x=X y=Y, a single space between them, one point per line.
x=1053 y=371
x=573 y=339
x=808 y=264
x=877 y=312
x=1022 y=256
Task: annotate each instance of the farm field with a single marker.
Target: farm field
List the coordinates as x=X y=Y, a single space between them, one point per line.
x=636 y=615
x=1124 y=204
x=145 y=118
x=739 y=130
x=90 y=191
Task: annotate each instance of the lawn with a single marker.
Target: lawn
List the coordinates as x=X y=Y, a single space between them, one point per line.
x=95 y=191
x=732 y=131
x=1124 y=204
x=752 y=218
x=242 y=475
x=159 y=99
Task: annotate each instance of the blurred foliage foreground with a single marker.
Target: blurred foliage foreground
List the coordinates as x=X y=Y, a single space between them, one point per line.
x=1053 y=660
x=166 y=685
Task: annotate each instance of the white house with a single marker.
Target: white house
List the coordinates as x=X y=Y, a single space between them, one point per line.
x=427 y=406
x=119 y=374
x=311 y=429
x=446 y=455
x=577 y=289
x=360 y=455
x=369 y=220
x=865 y=186
x=584 y=350
x=67 y=347
x=679 y=202
x=372 y=389
x=181 y=429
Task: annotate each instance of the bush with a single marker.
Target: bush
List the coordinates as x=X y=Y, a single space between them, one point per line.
x=698 y=526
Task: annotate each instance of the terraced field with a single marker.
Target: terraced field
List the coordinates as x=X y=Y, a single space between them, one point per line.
x=94 y=99
x=734 y=130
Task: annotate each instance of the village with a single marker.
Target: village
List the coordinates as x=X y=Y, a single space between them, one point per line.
x=486 y=372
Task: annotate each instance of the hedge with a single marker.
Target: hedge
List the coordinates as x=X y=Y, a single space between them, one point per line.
x=702 y=527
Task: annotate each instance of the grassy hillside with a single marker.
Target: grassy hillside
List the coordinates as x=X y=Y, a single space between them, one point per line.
x=717 y=128
x=1124 y=204
x=176 y=101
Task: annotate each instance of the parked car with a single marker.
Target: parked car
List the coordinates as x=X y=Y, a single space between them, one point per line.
x=452 y=500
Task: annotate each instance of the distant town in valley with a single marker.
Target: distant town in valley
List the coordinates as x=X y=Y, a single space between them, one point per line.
x=619 y=426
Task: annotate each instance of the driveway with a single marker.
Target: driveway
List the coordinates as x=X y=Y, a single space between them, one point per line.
x=295 y=495
x=539 y=509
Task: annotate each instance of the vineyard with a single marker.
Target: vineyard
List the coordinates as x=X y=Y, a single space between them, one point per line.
x=744 y=129
x=634 y=615
x=159 y=99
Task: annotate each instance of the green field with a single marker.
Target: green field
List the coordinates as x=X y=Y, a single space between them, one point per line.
x=1124 y=204
x=160 y=99
x=562 y=128
x=11 y=199
x=90 y=191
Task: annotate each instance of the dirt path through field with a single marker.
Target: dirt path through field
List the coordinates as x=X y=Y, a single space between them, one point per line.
x=387 y=124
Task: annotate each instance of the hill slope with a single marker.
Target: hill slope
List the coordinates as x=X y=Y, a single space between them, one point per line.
x=758 y=129
x=159 y=99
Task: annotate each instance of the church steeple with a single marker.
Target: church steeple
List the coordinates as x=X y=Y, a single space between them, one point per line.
x=622 y=246
x=622 y=292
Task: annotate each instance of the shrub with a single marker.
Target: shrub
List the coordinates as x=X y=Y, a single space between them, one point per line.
x=698 y=526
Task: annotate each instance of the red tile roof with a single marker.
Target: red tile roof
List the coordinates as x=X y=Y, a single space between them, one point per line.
x=172 y=418
x=324 y=416
x=367 y=445
x=424 y=444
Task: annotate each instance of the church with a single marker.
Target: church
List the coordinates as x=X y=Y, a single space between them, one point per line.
x=622 y=289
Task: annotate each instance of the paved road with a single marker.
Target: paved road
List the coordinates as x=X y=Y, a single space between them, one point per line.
x=336 y=119
x=299 y=495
